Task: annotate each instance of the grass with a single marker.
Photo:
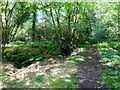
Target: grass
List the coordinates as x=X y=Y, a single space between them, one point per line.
x=110 y=53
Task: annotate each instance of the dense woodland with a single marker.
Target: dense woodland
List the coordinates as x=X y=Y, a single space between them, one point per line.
x=64 y=31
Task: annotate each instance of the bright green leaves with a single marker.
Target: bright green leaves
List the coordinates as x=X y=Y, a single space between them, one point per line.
x=111 y=59
x=39 y=78
x=64 y=82
x=3 y=77
x=111 y=44
x=60 y=56
x=76 y=58
x=113 y=81
x=110 y=56
x=28 y=60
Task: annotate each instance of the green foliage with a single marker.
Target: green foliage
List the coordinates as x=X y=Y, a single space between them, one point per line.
x=28 y=60
x=64 y=82
x=58 y=28
x=114 y=45
x=78 y=59
x=59 y=56
x=102 y=45
x=38 y=79
x=3 y=77
x=57 y=83
x=111 y=44
x=111 y=59
x=113 y=81
x=21 y=84
x=17 y=43
x=33 y=59
x=85 y=46
x=24 y=53
x=114 y=73
x=110 y=56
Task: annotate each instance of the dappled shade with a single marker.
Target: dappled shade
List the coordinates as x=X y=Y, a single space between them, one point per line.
x=48 y=44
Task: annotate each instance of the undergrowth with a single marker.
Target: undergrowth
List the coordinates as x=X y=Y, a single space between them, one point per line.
x=110 y=53
x=54 y=75
x=23 y=54
x=61 y=76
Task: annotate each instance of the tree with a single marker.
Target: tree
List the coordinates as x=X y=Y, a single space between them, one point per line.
x=34 y=21
x=13 y=16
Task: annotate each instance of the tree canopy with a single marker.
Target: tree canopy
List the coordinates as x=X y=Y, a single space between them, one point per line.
x=57 y=36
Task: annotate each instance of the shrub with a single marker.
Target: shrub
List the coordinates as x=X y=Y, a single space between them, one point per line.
x=23 y=54
x=111 y=58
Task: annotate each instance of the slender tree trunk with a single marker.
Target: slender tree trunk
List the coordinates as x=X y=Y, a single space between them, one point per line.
x=6 y=29
x=58 y=23
x=58 y=20
x=51 y=13
x=0 y=37
x=118 y=21
x=33 y=25
x=74 y=40
x=69 y=26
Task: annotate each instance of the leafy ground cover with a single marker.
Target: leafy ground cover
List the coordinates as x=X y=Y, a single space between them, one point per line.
x=49 y=72
x=50 y=69
x=52 y=73
x=22 y=53
x=110 y=53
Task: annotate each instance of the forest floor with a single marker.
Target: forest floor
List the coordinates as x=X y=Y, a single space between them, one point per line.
x=89 y=72
x=57 y=73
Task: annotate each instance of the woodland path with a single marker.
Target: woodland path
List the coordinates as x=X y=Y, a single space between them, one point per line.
x=89 y=71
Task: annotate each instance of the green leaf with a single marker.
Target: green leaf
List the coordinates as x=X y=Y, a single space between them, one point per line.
x=39 y=58
x=28 y=60
x=3 y=77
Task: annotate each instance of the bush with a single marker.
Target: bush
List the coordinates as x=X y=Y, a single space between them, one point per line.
x=102 y=45
x=111 y=59
x=23 y=54
x=114 y=45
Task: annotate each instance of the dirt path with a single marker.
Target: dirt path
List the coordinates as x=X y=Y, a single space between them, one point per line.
x=89 y=71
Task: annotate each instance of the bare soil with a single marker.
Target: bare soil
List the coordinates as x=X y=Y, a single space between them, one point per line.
x=89 y=72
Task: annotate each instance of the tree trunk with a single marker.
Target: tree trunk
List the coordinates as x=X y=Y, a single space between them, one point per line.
x=119 y=21
x=0 y=37
x=58 y=23
x=69 y=28
x=51 y=13
x=33 y=25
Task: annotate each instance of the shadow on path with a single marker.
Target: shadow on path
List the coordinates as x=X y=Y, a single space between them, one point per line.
x=89 y=71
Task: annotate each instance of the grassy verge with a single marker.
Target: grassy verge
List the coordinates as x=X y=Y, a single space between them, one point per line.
x=110 y=53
